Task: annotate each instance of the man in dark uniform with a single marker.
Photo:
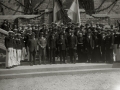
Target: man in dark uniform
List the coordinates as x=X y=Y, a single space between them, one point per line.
x=89 y=46
x=116 y=45
x=72 y=45
x=96 y=55
x=27 y=37
x=109 y=47
x=32 y=44
x=62 y=42
x=52 y=47
x=103 y=47
x=9 y=50
x=80 y=47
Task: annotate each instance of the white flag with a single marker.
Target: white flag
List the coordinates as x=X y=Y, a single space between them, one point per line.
x=74 y=12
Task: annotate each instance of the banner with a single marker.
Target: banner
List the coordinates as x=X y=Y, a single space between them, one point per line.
x=57 y=11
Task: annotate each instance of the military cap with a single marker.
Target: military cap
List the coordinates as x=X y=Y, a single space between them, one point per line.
x=86 y=24
x=19 y=34
x=23 y=25
x=10 y=31
x=95 y=31
x=29 y=24
x=64 y=27
x=15 y=29
x=36 y=25
x=52 y=23
x=77 y=27
x=81 y=26
x=103 y=32
x=62 y=24
x=50 y=27
x=30 y=29
x=44 y=24
x=58 y=26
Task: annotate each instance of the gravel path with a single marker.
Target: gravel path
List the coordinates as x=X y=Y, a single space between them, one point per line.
x=92 y=81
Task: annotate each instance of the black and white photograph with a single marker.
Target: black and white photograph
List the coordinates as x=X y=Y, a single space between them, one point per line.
x=59 y=44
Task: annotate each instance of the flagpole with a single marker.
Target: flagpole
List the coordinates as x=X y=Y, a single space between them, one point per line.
x=53 y=9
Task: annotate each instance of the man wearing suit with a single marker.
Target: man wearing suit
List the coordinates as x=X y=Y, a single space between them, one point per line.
x=42 y=42
x=62 y=42
x=109 y=47
x=72 y=45
x=32 y=44
x=89 y=46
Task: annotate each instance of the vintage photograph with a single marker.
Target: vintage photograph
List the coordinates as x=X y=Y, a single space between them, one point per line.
x=59 y=44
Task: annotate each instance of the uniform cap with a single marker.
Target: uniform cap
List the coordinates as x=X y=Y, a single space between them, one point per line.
x=10 y=31
x=44 y=24
x=29 y=24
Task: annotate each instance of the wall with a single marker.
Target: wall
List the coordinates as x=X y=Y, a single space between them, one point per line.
x=115 y=10
x=12 y=4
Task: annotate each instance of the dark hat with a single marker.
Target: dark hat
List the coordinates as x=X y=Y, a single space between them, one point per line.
x=86 y=24
x=10 y=32
x=44 y=24
x=18 y=34
x=81 y=26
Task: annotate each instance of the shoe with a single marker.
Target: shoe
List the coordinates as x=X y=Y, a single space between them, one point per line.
x=8 y=68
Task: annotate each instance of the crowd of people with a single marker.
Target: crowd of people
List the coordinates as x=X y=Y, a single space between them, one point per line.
x=89 y=43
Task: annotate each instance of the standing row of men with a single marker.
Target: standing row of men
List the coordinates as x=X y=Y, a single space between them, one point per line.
x=90 y=44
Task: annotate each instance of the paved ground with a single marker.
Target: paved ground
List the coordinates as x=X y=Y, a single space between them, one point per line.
x=92 y=81
x=56 y=66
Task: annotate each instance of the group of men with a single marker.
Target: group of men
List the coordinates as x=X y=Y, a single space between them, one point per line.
x=89 y=43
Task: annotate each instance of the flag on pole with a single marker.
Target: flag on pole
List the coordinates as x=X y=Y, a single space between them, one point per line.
x=57 y=11
x=74 y=12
